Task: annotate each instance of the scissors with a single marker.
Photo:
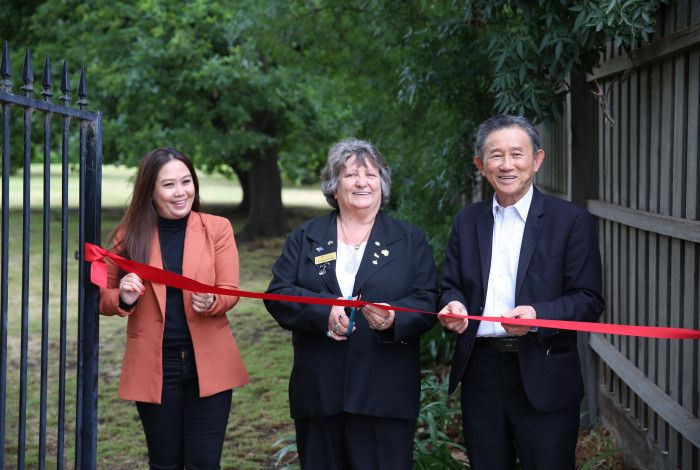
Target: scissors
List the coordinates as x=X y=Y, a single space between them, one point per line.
x=351 y=315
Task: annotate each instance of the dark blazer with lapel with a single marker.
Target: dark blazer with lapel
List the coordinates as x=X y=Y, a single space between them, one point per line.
x=372 y=373
x=559 y=274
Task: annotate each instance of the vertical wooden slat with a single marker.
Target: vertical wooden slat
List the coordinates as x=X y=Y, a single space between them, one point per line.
x=605 y=133
x=692 y=200
x=634 y=144
x=666 y=138
x=689 y=375
x=600 y=122
x=655 y=145
x=680 y=128
x=664 y=207
x=645 y=125
x=669 y=22
x=623 y=200
x=681 y=10
x=654 y=156
x=643 y=302
x=678 y=183
x=652 y=305
x=675 y=367
x=612 y=186
x=665 y=181
x=662 y=286
x=609 y=284
x=634 y=187
x=601 y=155
x=696 y=352
x=612 y=230
x=694 y=15
x=645 y=108
x=690 y=393
x=634 y=311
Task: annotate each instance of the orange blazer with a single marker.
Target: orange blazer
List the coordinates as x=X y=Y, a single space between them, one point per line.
x=210 y=256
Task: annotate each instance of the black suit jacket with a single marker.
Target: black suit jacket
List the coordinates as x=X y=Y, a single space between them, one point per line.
x=372 y=373
x=559 y=274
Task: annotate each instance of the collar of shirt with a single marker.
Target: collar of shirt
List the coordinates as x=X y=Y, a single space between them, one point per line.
x=522 y=207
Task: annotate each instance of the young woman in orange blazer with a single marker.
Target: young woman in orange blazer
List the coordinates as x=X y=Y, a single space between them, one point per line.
x=181 y=360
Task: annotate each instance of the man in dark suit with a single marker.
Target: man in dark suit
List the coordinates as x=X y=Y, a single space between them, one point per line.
x=521 y=254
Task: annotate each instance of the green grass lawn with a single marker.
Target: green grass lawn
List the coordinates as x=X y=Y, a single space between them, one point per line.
x=117 y=182
x=260 y=411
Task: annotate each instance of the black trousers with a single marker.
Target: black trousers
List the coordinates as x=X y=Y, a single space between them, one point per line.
x=500 y=424
x=184 y=431
x=348 y=441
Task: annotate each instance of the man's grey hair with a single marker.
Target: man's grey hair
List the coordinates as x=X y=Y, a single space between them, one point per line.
x=363 y=151
x=495 y=123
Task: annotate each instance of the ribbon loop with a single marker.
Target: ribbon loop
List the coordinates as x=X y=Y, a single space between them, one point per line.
x=98 y=271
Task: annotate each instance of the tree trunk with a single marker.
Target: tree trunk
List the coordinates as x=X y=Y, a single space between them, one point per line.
x=267 y=217
x=244 y=179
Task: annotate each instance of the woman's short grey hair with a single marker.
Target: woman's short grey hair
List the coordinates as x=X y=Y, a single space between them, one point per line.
x=495 y=123
x=363 y=151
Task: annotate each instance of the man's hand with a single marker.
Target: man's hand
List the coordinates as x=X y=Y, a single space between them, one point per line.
x=458 y=325
x=521 y=311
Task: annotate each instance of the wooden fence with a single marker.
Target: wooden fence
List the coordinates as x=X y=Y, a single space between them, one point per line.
x=632 y=159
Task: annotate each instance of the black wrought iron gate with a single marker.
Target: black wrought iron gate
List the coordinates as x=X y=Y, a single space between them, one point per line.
x=43 y=284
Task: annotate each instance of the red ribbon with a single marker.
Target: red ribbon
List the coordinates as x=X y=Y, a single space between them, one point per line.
x=98 y=276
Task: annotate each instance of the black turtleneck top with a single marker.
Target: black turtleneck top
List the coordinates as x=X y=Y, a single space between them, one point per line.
x=171 y=233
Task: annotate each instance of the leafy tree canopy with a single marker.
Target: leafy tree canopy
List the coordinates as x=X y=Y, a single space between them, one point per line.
x=534 y=46
x=248 y=87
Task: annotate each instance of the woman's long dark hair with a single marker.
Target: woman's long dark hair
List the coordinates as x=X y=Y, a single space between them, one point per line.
x=140 y=220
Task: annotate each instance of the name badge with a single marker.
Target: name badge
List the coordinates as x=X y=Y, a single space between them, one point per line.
x=324 y=258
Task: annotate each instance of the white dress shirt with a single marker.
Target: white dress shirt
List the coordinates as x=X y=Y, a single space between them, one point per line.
x=508 y=228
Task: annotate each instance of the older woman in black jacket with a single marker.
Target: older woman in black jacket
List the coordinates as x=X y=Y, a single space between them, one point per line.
x=354 y=391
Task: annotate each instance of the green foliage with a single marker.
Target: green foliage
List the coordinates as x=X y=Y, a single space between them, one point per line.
x=534 y=46
x=437 y=347
x=196 y=75
x=439 y=425
x=287 y=452
x=442 y=94
x=232 y=81
x=596 y=449
x=463 y=59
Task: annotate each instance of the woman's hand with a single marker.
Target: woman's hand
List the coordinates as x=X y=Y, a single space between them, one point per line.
x=202 y=302
x=337 y=323
x=378 y=318
x=130 y=288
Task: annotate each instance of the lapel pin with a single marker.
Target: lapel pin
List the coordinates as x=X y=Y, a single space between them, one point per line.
x=319 y=249
x=376 y=255
x=330 y=242
x=374 y=261
x=377 y=243
x=385 y=252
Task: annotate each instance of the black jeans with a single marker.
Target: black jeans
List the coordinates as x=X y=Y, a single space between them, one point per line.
x=184 y=431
